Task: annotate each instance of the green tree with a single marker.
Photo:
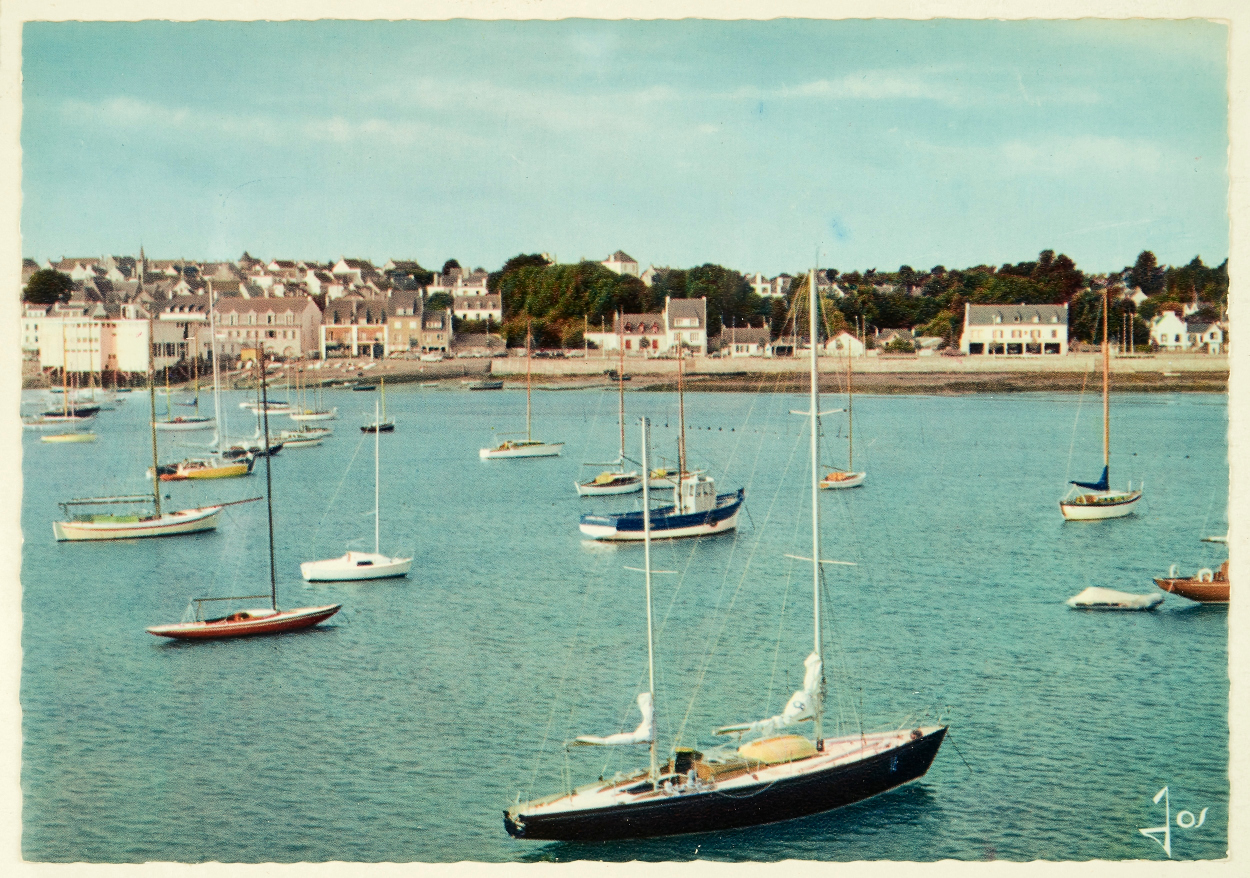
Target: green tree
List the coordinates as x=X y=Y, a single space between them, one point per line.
x=1147 y=274
x=449 y=265
x=47 y=286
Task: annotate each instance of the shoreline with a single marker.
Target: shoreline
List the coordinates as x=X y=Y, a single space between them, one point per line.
x=945 y=376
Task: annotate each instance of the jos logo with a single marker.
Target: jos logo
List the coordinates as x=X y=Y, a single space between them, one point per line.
x=1184 y=820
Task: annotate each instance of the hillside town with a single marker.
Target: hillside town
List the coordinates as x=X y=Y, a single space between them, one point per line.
x=107 y=313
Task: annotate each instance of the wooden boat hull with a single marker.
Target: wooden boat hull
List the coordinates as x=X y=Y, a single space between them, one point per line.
x=1109 y=506
x=776 y=793
x=226 y=470
x=624 y=483
x=1214 y=592
x=355 y=567
x=186 y=424
x=538 y=449
x=276 y=623
x=384 y=427
x=186 y=521
x=836 y=481
x=627 y=526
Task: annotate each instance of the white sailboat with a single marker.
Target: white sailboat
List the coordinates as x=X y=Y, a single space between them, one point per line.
x=84 y=519
x=356 y=566
x=616 y=481
x=529 y=446
x=1094 y=501
x=318 y=412
x=847 y=478
x=778 y=776
x=213 y=464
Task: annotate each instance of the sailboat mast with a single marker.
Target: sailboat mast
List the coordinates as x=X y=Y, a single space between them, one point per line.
x=646 y=555
x=620 y=382
x=212 y=346
x=156 y=478
x=681 y=418
x=264 y=408
x=528 y=435
x=377 y=478
x=850 y=420
x=815 y=416
x=1106 y=383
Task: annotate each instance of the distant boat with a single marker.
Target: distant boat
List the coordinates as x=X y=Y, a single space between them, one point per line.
x=1205 y=586
x=303 y=438
x=253 y=621
x=357 y=566
x=616 y=481
x=181 y=423
x=529 y=446
x=69 y=437
x=382 y=424
x=697 y=509
x=847 y=478
x=486 y=385
x=318 y=412
x=210 y=466
x=363 y=388
x=1095 y=598
x=1097 y=501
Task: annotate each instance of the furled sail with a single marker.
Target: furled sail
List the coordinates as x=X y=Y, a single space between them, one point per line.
x=644 y=734
x=801 y=706
x=1100 y=485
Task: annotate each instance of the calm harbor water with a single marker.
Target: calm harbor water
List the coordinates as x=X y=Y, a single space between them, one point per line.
x=401 y=730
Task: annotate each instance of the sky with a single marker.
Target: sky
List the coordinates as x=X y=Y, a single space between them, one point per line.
x=764 y=146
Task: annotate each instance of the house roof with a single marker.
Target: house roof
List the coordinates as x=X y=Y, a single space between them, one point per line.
x=745 y=335
x=634 y=320
x=282 y=304
x=687 y=308
x=621 y=256
x=488 y=301
x=985 y=315
x=1196 y=327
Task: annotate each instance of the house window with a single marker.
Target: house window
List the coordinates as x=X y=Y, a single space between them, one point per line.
x=628 y=344
x=1015 y=333
x=998 y=333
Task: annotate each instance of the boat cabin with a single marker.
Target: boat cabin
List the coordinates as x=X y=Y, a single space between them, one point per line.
x=698 y=494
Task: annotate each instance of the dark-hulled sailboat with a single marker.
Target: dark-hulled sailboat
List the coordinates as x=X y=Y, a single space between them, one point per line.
x=776 y=776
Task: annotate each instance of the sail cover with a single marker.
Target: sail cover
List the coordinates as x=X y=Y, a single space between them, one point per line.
x=1100 y=485
x=801 y=706
x=644 y=734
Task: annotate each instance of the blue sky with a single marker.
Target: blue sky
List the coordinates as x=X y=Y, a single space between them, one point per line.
x=749 y=144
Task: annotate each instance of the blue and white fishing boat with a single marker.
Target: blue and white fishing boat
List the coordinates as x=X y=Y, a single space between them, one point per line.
x=697 y=511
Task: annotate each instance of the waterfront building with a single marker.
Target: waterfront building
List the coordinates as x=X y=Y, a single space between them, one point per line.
x=477 y=307
x=1015 y=329
x=845 y=344
x=456 y=282
x=621 y=262
x=1169 y=331
x=403 y=315
x=95 y=338
x=1204 y=335
x=286 y=327
x=436 y=331
x=683 y=320
x=746 y=341
x=353 y=324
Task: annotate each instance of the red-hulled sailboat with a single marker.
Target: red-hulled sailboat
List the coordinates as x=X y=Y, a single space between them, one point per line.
x=249 y=622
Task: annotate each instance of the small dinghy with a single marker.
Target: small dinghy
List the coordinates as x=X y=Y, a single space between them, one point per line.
x=1094 y=598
